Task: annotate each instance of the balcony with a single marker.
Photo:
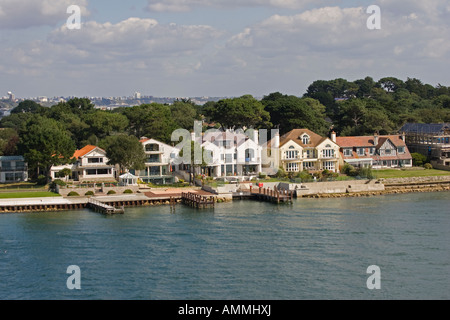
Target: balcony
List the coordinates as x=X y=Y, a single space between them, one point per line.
x=13 y=169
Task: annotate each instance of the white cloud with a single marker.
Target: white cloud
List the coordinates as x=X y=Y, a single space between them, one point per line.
x=187 y=5
x=20 y=14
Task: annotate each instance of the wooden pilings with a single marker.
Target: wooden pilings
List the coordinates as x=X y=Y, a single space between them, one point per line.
x=197 y=201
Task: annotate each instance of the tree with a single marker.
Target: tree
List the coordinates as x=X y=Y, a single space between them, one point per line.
x=45 y=143
x=27 y=106
x=103 y=123
x=291 y=112
x=125 y=151
x=184 y=114
x=245 y=111
x=194 y=163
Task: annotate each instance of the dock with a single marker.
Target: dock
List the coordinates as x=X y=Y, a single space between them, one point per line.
x=272 y=195
x=198 y=201
x=104 y=208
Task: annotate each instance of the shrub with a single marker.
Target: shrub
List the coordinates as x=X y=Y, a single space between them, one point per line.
x=127 y=191
x=305 y=176
x=41 y=180
x=89 y=193
x=111 y=192
x=73 y=194
x=428 y=166
x=418 y=159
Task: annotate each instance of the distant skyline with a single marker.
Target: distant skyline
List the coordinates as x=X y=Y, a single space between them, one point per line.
x=216 y=48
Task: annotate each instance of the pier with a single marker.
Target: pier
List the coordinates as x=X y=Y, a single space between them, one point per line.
x=104 y=208
x=197 y=201
x=272 y=195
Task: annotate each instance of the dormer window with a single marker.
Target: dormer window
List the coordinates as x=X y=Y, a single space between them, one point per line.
x=305 y=139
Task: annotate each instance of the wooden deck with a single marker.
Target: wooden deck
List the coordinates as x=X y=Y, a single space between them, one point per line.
x=272 y=195
x=104 y=208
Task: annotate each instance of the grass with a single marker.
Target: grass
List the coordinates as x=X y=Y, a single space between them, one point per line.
x=31 y=194
x=409 y=173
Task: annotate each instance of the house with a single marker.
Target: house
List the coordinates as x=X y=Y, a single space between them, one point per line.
x=90 y=164
x=13 y=169
x=158 y=163
x=231 y=153
x=388 y=151
x=431 y=140
x=302 y=149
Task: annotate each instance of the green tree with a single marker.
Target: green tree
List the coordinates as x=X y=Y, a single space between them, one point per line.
x=194 y=163
x=103 y=123
x=125 y=151
x=27 y=106
x=45 y=143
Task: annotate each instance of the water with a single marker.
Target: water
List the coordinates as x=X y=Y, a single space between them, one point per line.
x=313 y=249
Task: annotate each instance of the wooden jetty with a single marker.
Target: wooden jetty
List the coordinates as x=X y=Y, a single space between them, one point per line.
x=198 y=201
x=275 y=195
x=104 y=208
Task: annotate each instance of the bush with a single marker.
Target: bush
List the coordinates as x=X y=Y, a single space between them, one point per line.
x=366 y=172
x=350 y=170
x=111 y=192
x=418 y=159
x=305 y=176
x=41 y=180
x=89 y=193
x=127 y=191
x=73 y=194
x=428 y=166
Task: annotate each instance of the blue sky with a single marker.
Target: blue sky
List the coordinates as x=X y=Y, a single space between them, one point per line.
x=186 y=48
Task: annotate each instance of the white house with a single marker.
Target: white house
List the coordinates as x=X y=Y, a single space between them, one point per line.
x=231 y=153
x=13 y=169
x=90 y=164
x=158 y=163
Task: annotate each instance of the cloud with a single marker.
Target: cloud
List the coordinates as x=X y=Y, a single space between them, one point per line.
x=21 y=14
x=187 y=5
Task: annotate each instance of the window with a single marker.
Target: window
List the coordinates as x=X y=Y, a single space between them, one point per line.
x=328 y=165
x=328 y=153
x=387 y=151
x=94 y=172
x=305 y=139
x=372 y=151
x=348 y=152
x=95 y=160
x=308 y=165
x=228 y=158
x=249 y=155
x=361 y=151
x=291 y=155
x=153 y=158
x=401 y=149
x=292 y=167
x=151 y=147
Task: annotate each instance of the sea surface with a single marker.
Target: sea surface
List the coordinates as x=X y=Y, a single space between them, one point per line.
x=312 y=249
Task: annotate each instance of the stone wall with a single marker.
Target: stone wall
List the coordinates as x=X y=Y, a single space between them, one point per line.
x=416 y=179
x=351 y=186
x=98 y=190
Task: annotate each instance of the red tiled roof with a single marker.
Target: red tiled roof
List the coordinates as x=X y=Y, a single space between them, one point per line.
x=84 y=151
x=368 y=141
x=296 y=134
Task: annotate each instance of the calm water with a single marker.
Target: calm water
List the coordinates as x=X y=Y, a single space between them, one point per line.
x=314 y=249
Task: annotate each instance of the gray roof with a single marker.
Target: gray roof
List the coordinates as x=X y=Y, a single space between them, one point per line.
x=426 y=128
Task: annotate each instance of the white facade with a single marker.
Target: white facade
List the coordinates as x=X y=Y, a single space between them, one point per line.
x=13 y=169
x=232 y=153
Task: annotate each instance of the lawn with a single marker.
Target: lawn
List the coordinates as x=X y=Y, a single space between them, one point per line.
x=392 y=173
x=30 y=194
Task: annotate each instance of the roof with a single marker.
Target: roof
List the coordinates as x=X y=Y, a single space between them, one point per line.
x=426 y=128
x=368 y=141
x=296 y=136
x=84 y=151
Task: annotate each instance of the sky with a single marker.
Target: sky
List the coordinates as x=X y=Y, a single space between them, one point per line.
x=216 y=48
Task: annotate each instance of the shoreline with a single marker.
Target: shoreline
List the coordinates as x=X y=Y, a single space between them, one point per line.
x=172 y=196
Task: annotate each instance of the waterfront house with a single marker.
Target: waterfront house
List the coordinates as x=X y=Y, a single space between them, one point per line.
x=158 y=164
x=13 y=169
x=389 y=151
x=431 y=140
x=302 y=149
x=90 y=164
x=231 y=153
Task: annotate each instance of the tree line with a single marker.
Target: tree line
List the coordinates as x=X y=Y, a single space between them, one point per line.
x=48 y=136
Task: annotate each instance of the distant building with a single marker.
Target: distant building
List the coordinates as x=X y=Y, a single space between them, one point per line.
x=11 y=96
x=137 y=95
x=431 y=140
x=376 y=151
x=13 y=169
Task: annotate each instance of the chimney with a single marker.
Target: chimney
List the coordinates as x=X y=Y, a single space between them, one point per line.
x=276 y=140
x=333 y=136
x=375 y=139
x=403 y=136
